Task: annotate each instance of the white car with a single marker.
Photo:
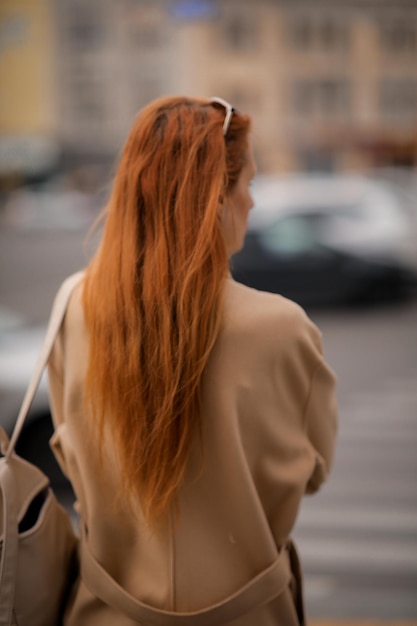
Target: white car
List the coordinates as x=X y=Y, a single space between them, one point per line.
x=325 y=239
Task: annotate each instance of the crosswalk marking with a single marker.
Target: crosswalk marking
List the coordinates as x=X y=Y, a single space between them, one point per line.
x=344 y=488
x=317 y=586
x=365 y=520
x=359 y=555
x=394 y=435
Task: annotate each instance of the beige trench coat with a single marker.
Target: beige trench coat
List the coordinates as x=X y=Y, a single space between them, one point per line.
x=269 y=425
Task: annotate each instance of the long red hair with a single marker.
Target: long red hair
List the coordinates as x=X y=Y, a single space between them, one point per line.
x=153 y=292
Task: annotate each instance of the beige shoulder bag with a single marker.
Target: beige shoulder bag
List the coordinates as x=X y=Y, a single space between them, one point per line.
x=37 y=544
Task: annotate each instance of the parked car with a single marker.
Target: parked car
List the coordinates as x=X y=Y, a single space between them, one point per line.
x=55 y=204
x=323 y=240
x=19 y=348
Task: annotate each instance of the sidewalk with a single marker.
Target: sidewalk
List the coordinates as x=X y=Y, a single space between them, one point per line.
x=361 y=622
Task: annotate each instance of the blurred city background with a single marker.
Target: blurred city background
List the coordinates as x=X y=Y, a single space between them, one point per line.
x=331 y=86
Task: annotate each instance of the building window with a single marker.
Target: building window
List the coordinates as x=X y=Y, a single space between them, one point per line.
x=146 y=28
x=328 y=97
x=146 y=88
x=327 y=33
x=244 y=98
x=399 y=36
x=240 y=31
x=303 y=98
x=302 y=33
x=84 y=27
x=398 y=100
x=87 y=97
x=332 y=35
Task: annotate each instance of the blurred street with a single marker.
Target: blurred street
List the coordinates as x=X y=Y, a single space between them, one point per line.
x=332 y=93
x=358 y=537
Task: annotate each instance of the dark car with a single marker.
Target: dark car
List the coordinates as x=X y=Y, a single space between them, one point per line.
x=323 y=240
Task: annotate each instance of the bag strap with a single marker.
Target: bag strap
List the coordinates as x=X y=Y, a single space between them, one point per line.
x=57 y=315
x=9 y=547
x=261 y=589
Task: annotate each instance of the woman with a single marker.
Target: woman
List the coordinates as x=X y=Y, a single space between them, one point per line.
x=191 y=413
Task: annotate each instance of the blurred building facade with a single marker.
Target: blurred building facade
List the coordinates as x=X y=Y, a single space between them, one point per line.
x=330 y=84
x=113 y=58
x=28 y=113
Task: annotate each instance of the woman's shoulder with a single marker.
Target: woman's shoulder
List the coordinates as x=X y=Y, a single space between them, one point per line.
x=260 y=313
x=74 y=314
x=73 y=319
x=73 y=325
x=251 y=303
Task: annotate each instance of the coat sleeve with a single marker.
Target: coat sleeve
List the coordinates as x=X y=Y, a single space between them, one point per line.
x=310 y=388
x=320 y=420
